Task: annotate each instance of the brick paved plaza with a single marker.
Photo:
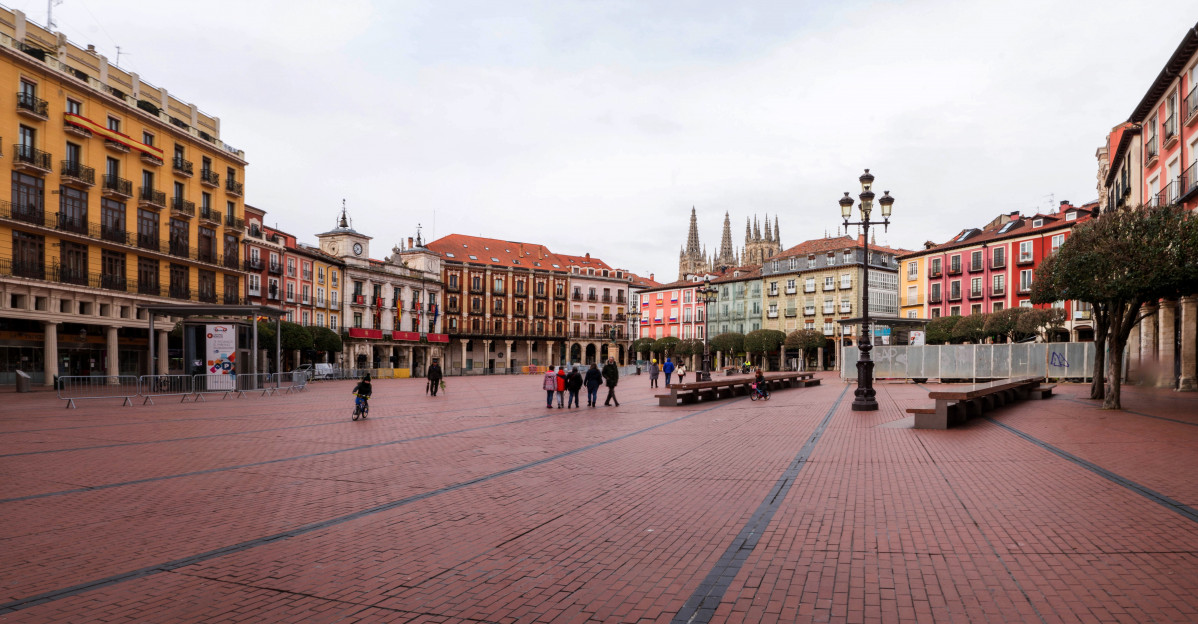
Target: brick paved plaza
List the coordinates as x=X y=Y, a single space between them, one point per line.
x=484 y=506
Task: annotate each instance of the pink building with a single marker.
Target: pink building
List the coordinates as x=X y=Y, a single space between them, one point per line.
x=672 y=310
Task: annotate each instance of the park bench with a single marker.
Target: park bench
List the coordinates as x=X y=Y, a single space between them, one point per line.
x=684 y=393
x=956 y=404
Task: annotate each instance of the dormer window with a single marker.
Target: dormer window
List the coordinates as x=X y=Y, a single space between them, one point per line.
x=1037 y=223
x=449 y=255
x=473 y=257
x=1071 y=216
x=494 y=259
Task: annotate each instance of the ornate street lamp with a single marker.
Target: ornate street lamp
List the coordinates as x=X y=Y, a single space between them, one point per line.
x=865 y=392
x=706 y=295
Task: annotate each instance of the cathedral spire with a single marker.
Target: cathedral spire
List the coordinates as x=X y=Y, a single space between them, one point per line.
x=769 y=237
x=692 y=237
x=777 y=233
x=756 y=230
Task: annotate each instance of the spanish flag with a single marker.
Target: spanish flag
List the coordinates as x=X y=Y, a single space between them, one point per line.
x=112 y=135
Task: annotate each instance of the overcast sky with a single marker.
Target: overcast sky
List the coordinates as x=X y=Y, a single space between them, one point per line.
x=594 y=126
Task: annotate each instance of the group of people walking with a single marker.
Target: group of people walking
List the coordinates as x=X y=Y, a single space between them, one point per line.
x=563 y=383
x=669 y=369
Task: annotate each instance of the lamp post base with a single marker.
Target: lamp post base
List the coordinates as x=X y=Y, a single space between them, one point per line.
x=865 y=401
x=702 y=376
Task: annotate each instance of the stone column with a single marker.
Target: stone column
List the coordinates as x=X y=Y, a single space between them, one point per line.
x=528 y=346
x=50 y=346
x=114 y=362
x=1148 y=363
x=819 y=354
x=1189 y=343
x=486 y=354
x=462 y=365
x=549 y=353
x=508 y=353
x=163 y=353
x=1167 y=337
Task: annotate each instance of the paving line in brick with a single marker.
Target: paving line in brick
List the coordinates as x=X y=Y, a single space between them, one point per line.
x=58 y=594
x=701 y=606
x=1186 y=511
x=1127 y=411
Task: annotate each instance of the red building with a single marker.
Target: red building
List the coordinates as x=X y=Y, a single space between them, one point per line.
x=983 y=270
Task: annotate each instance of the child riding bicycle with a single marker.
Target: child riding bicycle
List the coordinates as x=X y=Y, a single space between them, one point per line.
x=362 y=391
x=759 y=388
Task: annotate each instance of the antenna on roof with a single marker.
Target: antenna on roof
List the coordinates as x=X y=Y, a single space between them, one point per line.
x=118 y=55
x=50 y=4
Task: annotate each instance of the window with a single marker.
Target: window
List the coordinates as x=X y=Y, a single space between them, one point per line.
x=1037 y=222
x=955 y=264
x=1026 y=303
x=975 y=261
x=809 y=285
x=829 y=282
x=954 y=311
x=846 y=280
x=999 y=284
x=1071 y=216
x=1025 y=251
x=999 y=257
x=935 y=267
x=935 y=312
x=912 y=295
x=72 y=215
x=935 y=295
x=998 y=306
x=975 y=287
x=74 y=107
x=954 y=291
x=112 y=220
x=1025 y=280
x=147 y=138
x=147 y=276
x=912 y=270
x=114 y=124
x=811 y=262
x=1057 y=241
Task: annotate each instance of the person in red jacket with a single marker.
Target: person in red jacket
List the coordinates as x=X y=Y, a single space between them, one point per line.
x=561 y=385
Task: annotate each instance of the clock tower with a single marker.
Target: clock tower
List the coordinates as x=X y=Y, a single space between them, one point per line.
x=344 y=242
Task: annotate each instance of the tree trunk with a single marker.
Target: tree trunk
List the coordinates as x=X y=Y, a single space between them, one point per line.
x=1111 y=400
x=1123 y=318
x=1102 y=325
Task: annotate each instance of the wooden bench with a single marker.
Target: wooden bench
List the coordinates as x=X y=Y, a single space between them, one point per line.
x=685 y=393
x=956 y=404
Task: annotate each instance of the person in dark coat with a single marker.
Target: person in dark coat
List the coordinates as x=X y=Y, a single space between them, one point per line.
x=612 y=375
x=573 y=385
x=593 y=381
x=434 y=377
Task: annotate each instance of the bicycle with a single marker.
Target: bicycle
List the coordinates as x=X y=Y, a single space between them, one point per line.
x=759 y=393
x=361 y=407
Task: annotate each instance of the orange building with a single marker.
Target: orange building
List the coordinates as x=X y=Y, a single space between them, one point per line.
x=117 y=194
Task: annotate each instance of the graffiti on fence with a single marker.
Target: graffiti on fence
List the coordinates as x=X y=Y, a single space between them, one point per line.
x=1058 y=359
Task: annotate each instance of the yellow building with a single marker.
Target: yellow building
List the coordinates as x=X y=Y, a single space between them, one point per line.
x=911 y=287
x=117 y=194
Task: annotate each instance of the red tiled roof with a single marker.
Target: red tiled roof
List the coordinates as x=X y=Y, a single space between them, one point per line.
x=823 y=245
x=497 y=252
x=586 y=261
x=643 y=282
x=747 y=272
x=677 y=284
x=1023 y=227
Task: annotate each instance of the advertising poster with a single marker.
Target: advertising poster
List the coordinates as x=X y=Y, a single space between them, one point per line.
x=222 y=355
x=916 y=338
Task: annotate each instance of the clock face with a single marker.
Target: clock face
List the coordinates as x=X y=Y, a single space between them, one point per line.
x=357 y=249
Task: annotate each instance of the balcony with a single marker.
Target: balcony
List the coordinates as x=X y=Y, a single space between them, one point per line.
x=540 y=295
x=178 y=247
x=234 y=222
x=233 y=187
x=78 y=131
x=845 y=309
x=773 y=292
x=116 y=146
x=1170 y=130
x=148 y=197
x=155 y=161
x=149 y=288
x=149 y=241
x=306 y=275
x=954 y=296
x=1151 y=150
x=605 y=298
x=828 y=287
x=791 y=312
x=31 y=106
x=253 y=265
x=809 y=289
x=576 y=296
x=954 y=269
x=358 y=300
x=791 y=290
x=114 y=282
x=809 y=311
x=179 y=292
x=592 y=316
x=207 y=296
x=76 y=225
x=290 y=297
x=976 y=267
x=182 y=207
x=1190 y=106
x=620 y=299
x=67 y=275
x=231 y=299
x=934 y=273
x=975 y=294
x=231 y=261
x=334 y=304
x=30 y=160
x=1187 y=182
x=998 y=291
x=210 y=215
x=275 y=268
x=273 y=294
x=206 y=255
x=77 y=174
x=998 y=262
x=934 y=298
x=114 y=234
x=498 y=291
x=453 y=287
x=476 y=289
x=209 y=177
x=1025 y=259
x=116 y=188
x=181 y=167
x=592 y=297
x=576 y=316
x=771 y=314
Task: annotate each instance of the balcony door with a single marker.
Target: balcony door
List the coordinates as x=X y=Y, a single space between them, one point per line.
x=29 y=254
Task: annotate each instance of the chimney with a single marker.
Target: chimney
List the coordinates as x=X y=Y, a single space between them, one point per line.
x=860 y=239
x=588 y=255
x=651 y=278
x=410 y=241
x=91 y=49
x=928 y=244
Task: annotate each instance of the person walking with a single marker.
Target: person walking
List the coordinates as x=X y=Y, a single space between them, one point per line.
x=573 y=385
x=681 y=370
x=434 y=376
x=593 y=380
x=561 y=386
x=549 y=384
x=612 y=375
x=668 y=369
x=654 y=371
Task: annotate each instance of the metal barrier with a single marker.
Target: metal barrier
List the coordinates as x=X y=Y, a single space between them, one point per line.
x=72 y=388
x=213 y=384
x=1054 y=360
x=165 y=385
